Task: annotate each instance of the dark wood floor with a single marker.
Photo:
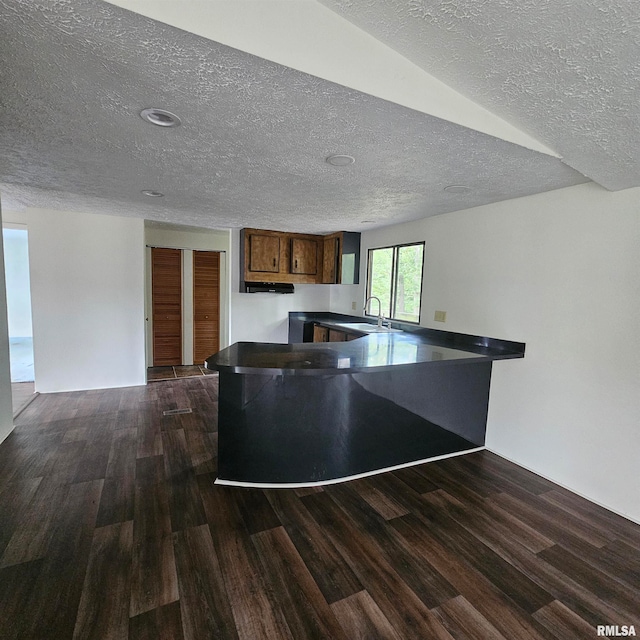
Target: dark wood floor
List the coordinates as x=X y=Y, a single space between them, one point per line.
x=111 y=527
x=154 y=374
x=22 y=393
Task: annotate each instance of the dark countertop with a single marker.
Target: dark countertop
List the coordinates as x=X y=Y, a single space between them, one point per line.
x=370 y=353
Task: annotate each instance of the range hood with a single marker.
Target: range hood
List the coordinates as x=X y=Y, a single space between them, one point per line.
x=268 y=287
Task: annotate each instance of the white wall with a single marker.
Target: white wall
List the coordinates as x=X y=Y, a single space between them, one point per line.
x=87 y=294
x=6 y=406
x=264 y=317
x=561 y=272
x=349 y=298
x=189 y=241
x=16 y=264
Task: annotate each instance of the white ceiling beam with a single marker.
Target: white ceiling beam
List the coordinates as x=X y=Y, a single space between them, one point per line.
x=307 y=36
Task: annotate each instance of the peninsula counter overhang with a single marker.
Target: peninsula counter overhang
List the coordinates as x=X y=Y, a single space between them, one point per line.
x=305 y=414
x=374 y=352
x=369 y=353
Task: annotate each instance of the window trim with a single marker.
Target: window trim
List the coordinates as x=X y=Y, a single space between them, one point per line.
x=394 y=279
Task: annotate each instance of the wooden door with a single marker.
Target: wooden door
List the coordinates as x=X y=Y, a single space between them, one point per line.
x=206 y=305
x=330 y=260
x=304 y=256
x=166 y=312
x=264 y=253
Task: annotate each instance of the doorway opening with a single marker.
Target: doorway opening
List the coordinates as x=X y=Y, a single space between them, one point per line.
x=184 y=323
x=16 y=265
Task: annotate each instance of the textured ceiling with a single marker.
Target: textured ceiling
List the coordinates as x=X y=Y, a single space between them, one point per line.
x=251 y=149
x=565 y=71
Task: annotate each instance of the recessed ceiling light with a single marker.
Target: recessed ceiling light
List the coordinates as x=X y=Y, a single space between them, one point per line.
x=339 y=160
x=160 y=117
x=457 y=188
x=152 y=194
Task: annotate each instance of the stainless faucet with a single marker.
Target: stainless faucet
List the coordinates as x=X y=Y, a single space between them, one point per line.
x=380 y=317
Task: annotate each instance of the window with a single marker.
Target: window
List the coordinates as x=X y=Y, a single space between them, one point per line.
x=394 y=275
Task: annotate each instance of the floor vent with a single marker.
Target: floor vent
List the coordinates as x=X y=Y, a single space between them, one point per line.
x=175 y=412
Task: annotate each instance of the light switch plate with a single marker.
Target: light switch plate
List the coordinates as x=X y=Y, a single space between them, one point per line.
x=353 y=306
x=440 y=316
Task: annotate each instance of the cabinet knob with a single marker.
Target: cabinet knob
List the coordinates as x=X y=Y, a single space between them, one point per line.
x=206 y=317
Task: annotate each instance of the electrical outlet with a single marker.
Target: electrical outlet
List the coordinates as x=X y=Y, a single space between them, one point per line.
x=353 y=305
x=440 y=316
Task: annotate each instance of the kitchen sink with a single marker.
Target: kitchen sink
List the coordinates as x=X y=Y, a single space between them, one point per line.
x=365 y=327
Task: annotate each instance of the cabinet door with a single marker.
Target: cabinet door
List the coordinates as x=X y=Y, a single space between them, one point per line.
x=166 y=306
x=206 y=305
x=264 y=253
x=330 y=261
x=320 y=334
x=337 y=336
x=304 y=256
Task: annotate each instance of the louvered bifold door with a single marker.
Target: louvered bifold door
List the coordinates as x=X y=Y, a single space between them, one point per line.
x=166 y=284
x=206 y=305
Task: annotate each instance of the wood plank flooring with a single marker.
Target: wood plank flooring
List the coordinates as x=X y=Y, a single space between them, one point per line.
x=111 y=527
x=22 y=393
x=155 y=374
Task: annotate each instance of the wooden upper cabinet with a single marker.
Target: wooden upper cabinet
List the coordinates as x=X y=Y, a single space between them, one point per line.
x=264 y=253
x=304 y=256
x=297 y=258
x=330 y=255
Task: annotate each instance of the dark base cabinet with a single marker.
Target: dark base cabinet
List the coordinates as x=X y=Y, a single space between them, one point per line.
x=307 y=413
x=296 y=429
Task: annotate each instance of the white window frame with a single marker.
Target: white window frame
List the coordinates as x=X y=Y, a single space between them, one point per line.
x=394 y=279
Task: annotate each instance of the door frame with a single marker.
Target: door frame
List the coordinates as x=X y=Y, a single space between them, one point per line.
x=187 y=300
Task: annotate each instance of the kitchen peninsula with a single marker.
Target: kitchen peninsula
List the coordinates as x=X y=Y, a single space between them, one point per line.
x=312 y=413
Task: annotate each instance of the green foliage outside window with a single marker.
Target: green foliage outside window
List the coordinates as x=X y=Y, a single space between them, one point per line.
x=395 y=276
x=381 y=267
